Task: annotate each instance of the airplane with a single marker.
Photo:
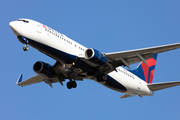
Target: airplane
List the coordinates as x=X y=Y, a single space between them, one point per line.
x=75 y=62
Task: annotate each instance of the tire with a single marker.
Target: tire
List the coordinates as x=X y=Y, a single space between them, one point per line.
x=69 y=85
x=25 y=48
x=74 y=84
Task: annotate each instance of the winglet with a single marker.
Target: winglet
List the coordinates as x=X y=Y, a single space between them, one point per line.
x=19 y=79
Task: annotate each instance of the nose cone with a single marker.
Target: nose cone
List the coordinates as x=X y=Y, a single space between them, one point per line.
x=13 y=26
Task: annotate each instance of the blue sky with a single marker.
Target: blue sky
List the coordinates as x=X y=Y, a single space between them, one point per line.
x=108 y=26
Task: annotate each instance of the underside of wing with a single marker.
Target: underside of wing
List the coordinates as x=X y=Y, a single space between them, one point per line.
x=127 y=95
x=127 y=58
x=160 y=86
x=59 y=76
x=32 y=80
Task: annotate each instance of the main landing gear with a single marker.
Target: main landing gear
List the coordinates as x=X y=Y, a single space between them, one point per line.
x=71 y=84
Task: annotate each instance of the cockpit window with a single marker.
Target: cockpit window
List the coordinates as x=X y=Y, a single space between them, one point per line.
x=24 y=21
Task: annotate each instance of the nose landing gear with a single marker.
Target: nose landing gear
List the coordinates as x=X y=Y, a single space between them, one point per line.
x=24 y=41
x=26 y=48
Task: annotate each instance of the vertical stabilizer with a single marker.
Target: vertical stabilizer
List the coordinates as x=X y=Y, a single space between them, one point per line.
x=146 y=71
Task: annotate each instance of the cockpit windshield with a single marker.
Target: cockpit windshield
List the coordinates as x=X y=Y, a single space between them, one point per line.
x=23 y=20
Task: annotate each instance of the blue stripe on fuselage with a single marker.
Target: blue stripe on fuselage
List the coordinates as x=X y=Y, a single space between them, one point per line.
x=54 y=53
x=115 y=85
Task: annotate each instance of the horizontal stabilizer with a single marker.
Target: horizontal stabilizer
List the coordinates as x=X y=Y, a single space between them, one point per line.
x=160 y=86
x=127 y=95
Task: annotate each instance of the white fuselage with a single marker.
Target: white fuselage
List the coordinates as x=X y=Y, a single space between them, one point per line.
x=43 y=34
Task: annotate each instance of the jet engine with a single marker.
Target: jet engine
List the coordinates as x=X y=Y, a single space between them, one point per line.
x=44 y=69
x=96 y=57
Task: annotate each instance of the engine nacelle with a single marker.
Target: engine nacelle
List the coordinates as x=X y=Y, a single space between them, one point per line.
x=95 y=57
x=44 y=69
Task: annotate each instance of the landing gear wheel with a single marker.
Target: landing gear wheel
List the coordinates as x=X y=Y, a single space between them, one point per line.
x=74 y=84
x=69 y=86
x=25 y=48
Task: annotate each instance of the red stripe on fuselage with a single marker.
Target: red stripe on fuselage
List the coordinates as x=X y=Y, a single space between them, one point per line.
x=44 y=26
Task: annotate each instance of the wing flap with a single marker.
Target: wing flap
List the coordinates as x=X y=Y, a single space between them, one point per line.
x=136 y=59
x=160 y=86
x=32 y=80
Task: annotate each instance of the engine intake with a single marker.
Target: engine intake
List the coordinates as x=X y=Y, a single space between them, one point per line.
x=95 y=57
x=44 y=69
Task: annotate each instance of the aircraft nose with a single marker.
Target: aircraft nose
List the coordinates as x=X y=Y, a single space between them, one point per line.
x=13 y=26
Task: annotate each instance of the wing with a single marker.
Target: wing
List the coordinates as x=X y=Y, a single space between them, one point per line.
x=32 y=80
x=127 y=58
x=59 y=78
x=160 y=86
x=37 y=79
